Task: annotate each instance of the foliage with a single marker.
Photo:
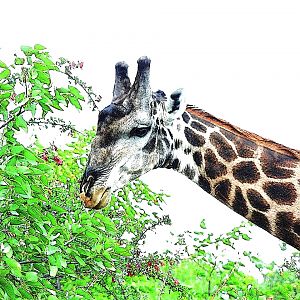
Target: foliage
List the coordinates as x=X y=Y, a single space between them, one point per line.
x=52 y=248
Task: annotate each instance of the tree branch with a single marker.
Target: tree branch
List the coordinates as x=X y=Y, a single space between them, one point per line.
x=83 y=86
x=21 y=111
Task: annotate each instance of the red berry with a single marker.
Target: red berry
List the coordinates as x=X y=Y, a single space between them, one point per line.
x=58 y=160
x=81 y=65
x=130 y=274
x=44 y=157
x=149 y=263
x=156 y=267
x=176 y=282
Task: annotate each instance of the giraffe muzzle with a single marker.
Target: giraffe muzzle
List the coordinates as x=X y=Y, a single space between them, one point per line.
x=100 y=197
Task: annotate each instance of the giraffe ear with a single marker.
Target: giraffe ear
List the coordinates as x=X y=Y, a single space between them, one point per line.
x=176 y=104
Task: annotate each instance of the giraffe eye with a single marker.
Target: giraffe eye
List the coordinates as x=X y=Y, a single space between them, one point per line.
x=139 y=131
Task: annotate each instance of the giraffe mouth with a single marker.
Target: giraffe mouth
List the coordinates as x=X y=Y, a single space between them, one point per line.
x=94 y=196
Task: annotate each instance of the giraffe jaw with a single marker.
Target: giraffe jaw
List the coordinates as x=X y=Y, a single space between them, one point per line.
x=100 y=198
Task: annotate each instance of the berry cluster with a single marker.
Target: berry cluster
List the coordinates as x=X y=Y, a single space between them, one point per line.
x=48 y=153
x=75 y=65
x=150 y=267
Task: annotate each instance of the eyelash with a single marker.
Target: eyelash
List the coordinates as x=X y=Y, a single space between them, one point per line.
x=139 y=131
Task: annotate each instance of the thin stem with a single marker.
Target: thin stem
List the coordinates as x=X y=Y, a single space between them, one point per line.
x=224 y=282
x=21 y=111
x=83 y=86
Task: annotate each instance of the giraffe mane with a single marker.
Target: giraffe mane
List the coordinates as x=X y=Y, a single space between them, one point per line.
x=293 y=153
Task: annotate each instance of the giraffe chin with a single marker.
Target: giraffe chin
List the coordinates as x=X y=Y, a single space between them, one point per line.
x=99 y=199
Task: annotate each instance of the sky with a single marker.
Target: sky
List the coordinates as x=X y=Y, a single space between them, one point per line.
x=238 y=60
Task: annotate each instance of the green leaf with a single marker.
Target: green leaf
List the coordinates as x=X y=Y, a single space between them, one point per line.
x=27 y=50
x=24 y=293
x=52 y=249
x=122 y=251
x=39 y=47
x=34 y=74
x=44 y=167
x=17 y=149
x=4 y=74
x=31 y=157
x=19 y=61
x=107 y=255
x=202 y=224
x=246 y=237
x=2 y=64
x=109 y=225
x=80 y=260
x=11 y=170
x=15 y=267
x=75 y=92
x=3 y=150
x=21 y=123
x=8 y=287
x=32 y=108
x=40 y=66
x=4 y=96
x=31 y=276
x=6 y=87
x=44 y=77
x=75 y=102
x=55 y=104
x=62 y=90
x=47 y=61
x=53 y=271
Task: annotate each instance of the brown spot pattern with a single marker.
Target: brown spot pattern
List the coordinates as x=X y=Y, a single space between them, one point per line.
x=187 y=151
x=222 y=146
x=239 y=203
x=185 y=117
x=193 y=138
x=197 y=156
x=297 y=227
x=198 y=126
x=177 y=143
x=260 y=220
x=189 y=172
x=256 y=139
x=281 y=192
x=284 y=226
x=204 y=184
x=275 y=164
x=222 y=190
x=257 y=201
x=244 y=147
x=213 y=168
x=246 y=172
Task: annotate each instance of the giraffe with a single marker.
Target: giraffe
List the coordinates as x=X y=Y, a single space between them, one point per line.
x=143 y=130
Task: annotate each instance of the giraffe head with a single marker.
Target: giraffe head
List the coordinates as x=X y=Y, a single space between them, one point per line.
x=134 y=135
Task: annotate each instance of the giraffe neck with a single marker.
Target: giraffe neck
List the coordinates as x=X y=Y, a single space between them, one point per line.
x=255 y=177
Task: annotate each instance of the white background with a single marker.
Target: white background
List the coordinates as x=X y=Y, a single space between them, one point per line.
x=239 y=60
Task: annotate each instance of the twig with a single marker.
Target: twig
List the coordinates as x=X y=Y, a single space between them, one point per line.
x=21 y=111
x=53 y=123
x=224 y=282
x=83 y=86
